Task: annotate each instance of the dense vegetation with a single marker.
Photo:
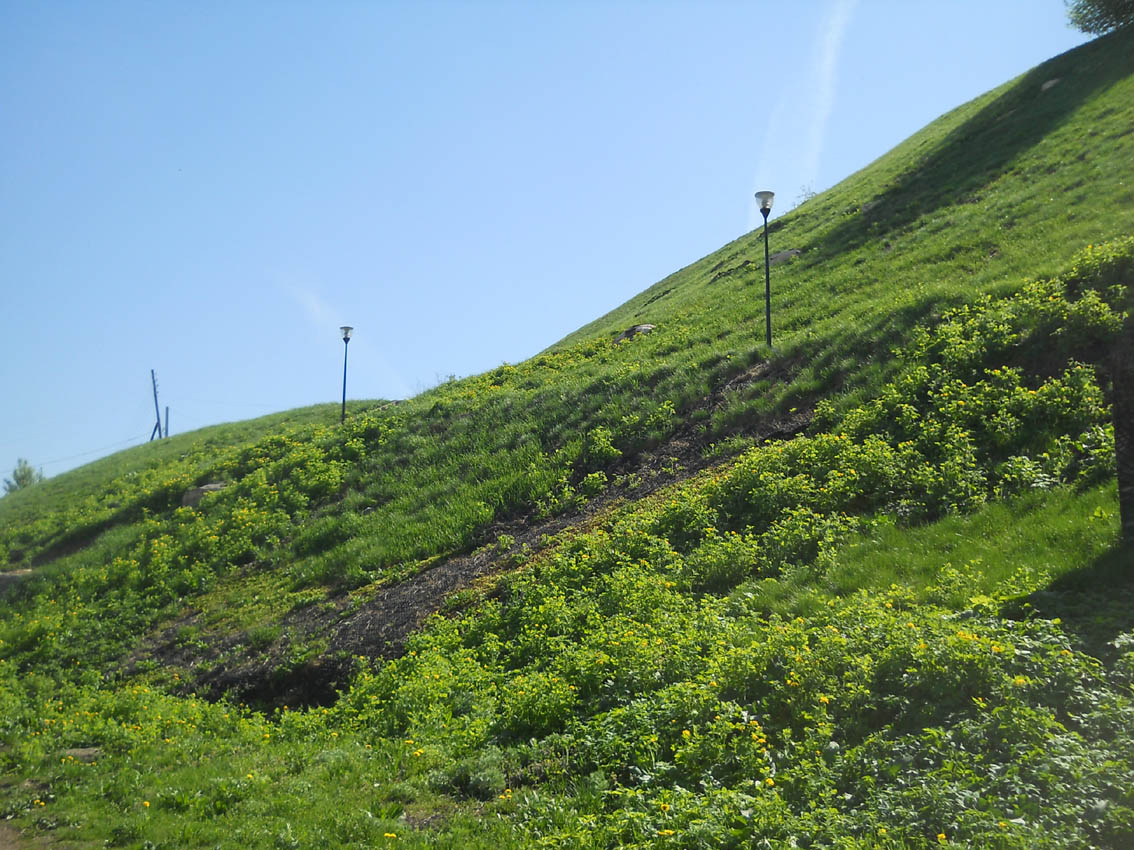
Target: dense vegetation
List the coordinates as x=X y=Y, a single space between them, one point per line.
x=904 y=623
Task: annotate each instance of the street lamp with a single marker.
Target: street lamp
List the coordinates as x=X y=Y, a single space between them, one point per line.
x=765 y=199
x=346 y=329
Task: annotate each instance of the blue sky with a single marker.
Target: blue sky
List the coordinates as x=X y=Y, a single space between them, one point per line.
x=211 y=189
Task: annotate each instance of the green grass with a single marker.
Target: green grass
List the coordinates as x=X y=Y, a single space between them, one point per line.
x=1030 y=541
x=908 y=627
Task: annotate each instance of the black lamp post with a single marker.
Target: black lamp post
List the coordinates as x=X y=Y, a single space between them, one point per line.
x=765 y=199
x=346 y=329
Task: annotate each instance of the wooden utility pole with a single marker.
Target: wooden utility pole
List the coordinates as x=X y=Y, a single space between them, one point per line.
x=157 y=410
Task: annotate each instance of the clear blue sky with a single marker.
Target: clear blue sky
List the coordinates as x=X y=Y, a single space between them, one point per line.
x=211 y=189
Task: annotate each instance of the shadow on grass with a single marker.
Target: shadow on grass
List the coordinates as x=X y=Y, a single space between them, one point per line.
x=985 y=146
x=860 y=357
x=1095 y=603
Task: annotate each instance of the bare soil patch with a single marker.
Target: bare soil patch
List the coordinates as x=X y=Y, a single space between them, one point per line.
x=379 y=627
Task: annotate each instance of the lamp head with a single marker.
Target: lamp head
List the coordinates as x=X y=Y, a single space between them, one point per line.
x=765 y=200
x=346 y=329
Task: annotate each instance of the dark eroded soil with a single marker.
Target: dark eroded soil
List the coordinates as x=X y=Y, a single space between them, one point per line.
x=379 y=626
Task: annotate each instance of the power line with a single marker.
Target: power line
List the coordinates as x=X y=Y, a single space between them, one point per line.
x=94 y=451
x=217 y=403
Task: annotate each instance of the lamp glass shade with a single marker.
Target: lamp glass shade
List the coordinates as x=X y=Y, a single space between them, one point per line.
x=346 y=329
x=765 y=199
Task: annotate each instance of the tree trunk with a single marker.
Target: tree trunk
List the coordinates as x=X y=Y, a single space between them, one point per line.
x=1122 y=375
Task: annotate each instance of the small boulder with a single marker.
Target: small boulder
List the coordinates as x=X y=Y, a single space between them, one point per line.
x=783 y=256
x=193 y=496
x=87 y=755
x=630 y=333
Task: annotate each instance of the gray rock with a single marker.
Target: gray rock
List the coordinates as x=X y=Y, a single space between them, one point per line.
x=783 y=256
x=630 y=333
x=194 y=495
x=83 y=754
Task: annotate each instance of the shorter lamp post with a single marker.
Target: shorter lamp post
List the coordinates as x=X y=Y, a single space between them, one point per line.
x=346 y=329
x=765 y=199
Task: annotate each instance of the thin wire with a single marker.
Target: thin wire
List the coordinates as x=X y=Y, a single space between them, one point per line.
x=95 y=451
x=230 y=403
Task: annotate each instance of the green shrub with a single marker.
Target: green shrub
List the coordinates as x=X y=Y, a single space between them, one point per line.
x=722 y=561
x=477 y=777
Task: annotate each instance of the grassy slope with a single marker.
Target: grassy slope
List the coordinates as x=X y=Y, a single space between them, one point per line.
x=90 y=482
x=992 y=192
x=1004 y=188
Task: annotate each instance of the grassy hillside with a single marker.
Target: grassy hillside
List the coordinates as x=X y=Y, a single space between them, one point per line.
x=860 y=590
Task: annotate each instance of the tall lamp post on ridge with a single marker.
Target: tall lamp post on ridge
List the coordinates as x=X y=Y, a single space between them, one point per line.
x=765 y=199
x=346 y=329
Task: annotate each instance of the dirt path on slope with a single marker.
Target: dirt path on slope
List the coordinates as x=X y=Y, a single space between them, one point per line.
x=379 y=626
x=238 y=666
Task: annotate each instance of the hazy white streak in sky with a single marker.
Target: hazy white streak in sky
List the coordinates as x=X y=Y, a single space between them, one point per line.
x=793 y=144
x=320 y=314
x=765 y=166
x=834 y=27
x=327 y=320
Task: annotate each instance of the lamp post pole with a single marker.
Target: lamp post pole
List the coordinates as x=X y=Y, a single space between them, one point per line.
x=765 y=199
x=346 y=329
